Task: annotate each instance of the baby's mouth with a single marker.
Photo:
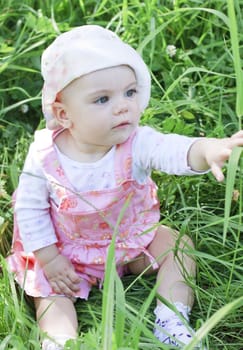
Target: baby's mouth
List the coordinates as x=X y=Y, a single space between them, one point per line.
x=121 y=125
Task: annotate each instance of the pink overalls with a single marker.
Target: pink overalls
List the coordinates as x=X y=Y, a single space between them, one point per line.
x=84 y=222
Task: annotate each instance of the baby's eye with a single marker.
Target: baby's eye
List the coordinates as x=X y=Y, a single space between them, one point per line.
x=102 y=99
x=131 y=92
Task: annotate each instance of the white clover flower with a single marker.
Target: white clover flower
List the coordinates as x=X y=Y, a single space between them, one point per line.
x=40 y=13
x=171 y=50
x=24 y=108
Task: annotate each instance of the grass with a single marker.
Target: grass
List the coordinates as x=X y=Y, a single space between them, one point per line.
x=196 y=92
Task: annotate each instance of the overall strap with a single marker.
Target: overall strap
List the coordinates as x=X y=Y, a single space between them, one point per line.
x=44 y=140
x=123 y=160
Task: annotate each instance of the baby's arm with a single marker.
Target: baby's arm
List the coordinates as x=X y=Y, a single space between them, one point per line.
x=58 y=270
x=36 y=228
x=209 y=153
x=180 y=155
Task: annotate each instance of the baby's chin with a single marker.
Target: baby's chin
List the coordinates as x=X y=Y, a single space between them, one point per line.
x=121 y=135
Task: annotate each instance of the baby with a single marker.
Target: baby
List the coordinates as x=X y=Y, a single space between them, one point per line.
x=81 y=170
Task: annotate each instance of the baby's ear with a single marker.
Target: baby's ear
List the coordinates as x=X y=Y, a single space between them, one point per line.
x=52 y=124
x=61 y=115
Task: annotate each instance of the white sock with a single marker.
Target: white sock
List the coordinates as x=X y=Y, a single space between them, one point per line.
x=171 y=327
x=164 y=312
x=56 y=342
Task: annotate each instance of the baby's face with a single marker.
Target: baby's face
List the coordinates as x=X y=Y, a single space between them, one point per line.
x=102 y=107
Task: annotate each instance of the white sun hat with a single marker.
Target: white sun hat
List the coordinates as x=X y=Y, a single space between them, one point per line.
x=83 y=50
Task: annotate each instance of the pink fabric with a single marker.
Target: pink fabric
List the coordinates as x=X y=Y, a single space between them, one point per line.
x=84 y=222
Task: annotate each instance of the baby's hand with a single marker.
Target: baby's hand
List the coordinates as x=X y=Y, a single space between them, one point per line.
x=219 y=150
x=207 y=153
x=61 y=275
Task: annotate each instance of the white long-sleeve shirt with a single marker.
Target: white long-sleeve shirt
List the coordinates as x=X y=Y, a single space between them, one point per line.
x=151 y=150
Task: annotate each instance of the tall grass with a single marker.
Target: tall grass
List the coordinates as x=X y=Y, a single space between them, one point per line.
x=196 y=92
x=239 y=109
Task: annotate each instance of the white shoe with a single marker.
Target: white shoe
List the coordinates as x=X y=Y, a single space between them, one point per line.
x=48 y=344
x=56 y=342
x=175 y=332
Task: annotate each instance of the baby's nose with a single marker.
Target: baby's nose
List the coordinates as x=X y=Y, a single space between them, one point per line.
x=120 y=107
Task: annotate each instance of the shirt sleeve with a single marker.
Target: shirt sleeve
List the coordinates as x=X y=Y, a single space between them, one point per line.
x=163 y=152
x=32 y=206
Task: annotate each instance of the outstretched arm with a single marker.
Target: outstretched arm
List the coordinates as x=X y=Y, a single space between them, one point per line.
x=210 y=153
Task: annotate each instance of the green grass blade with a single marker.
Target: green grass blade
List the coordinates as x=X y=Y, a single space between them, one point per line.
x=120 y=312
x=236 y=59
x=213 y=320
x=108 y=299
x=137 y=329
x=232 y=168
x=174 y=15
x=18 y=104
x=111 y=275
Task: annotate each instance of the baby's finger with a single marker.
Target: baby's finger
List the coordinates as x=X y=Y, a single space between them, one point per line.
x=217 y=172
x=75 y=287
x=74 y=277
x=225 y=154
x=72 y=281
x=63 y=288
x=55 y=287
x=238 y=134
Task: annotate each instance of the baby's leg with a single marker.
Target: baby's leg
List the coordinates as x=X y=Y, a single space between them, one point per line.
x=175 y=266
x=57 y=318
